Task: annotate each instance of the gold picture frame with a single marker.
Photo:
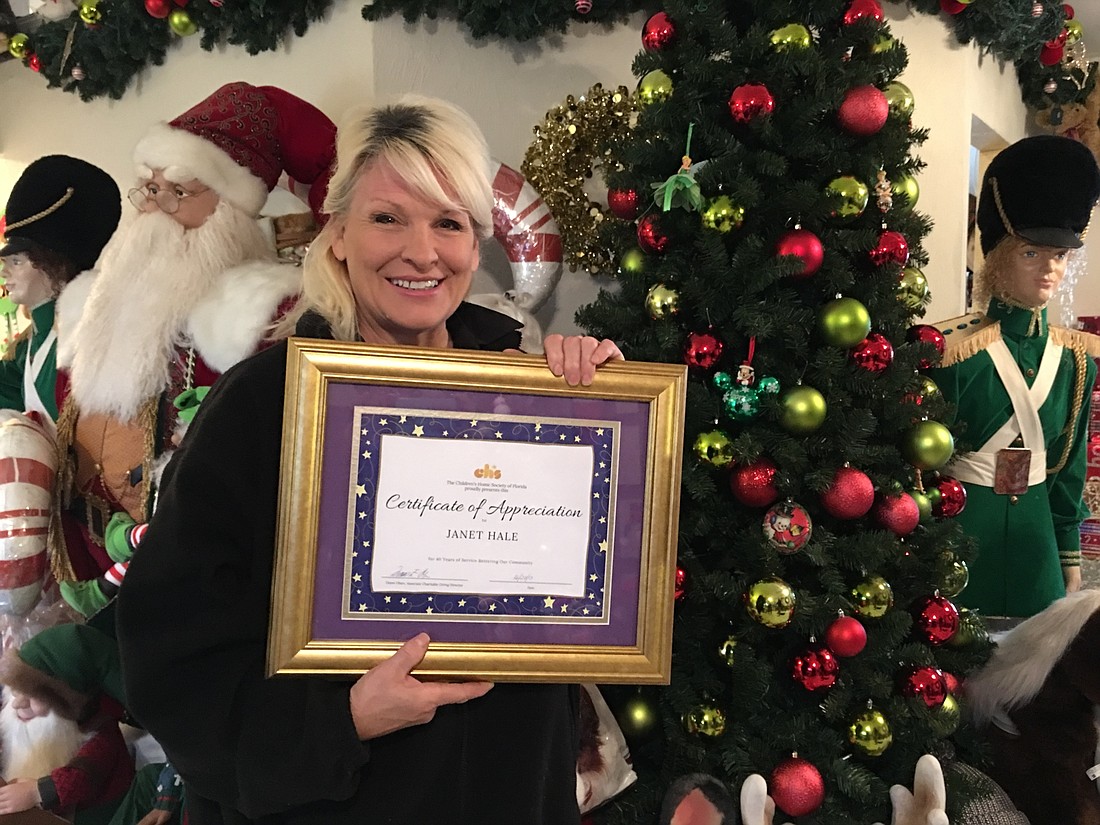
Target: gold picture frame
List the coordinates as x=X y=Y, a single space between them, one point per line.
x=361 y=422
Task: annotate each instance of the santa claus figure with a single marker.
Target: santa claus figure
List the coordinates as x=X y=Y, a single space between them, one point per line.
x=188 y=286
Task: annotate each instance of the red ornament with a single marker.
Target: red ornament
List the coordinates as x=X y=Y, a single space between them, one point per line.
x=951 y=499
x=650 y=237
x=863 y=111
x=158 y=8
x=659 y=32
x=681 y=581
x=898 y=513
x=935 y=619
x=846 y=637
x=623 y=203
x=926 y=682
x=1068 y=9
x=750 y=101
x=927 y=334
x=702 y=350
x=891 y=248
x=805 y=245
x=952 y=682
x=874 y=353
x=181 y=3
x=34 y=62
x=796 y=786
x=952 y=6
x=815 y=668
x=754 y=484
x=1051 y=55
x=863 y=10
x=583 y=6
x=850 y=495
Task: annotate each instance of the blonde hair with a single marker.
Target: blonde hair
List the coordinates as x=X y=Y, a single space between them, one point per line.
x=990 y=283
x=423 y=140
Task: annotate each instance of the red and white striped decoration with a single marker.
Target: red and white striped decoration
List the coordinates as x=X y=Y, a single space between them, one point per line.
x=524 y=227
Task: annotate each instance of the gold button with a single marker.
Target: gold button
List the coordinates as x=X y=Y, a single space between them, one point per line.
x=1013 y=499
x=1031 y=373
x=99 y=468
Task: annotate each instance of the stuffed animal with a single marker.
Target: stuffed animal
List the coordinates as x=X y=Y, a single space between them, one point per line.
x=1080 y=121
x=1037 y=699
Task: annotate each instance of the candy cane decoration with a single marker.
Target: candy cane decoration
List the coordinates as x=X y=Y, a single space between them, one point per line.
x=524 y=227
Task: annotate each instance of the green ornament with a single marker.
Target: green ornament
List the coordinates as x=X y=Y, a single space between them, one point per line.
x=952 y=574
x=792 y=37
x=714 y=448
x=924 y=504
x=843 y=322
x=741 y=403
x=802 y=410
x=19 y=46
x=662 y=302
x=90 y=13
x=899 y=98
x=632 y=262
x=912 y=288
x=722 y=381
x=927 y=445
x=882 y=44
x=722 y=215
x=654 y=88
x=768 y=385
x=934 y=495
x=850 y=195
x=906 y=185
x=181 y=23
x=872 y=597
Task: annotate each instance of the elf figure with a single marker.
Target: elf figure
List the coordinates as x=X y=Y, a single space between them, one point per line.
x=1019 y=385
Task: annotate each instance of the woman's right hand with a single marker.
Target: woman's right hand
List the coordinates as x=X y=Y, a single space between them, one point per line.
x=387 y=698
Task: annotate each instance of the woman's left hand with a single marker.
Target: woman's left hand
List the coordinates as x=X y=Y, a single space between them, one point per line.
x=577 y=356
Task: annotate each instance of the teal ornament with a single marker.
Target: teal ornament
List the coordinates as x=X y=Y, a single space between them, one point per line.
x=741 y=403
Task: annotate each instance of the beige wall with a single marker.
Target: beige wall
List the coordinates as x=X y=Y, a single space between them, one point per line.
x=508 y=89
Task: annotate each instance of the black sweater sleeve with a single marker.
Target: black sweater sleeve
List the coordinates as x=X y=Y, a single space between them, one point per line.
x=193 y=618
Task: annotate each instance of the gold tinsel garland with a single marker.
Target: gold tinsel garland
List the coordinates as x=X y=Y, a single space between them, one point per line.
x=1092 y=496
x=577 y=136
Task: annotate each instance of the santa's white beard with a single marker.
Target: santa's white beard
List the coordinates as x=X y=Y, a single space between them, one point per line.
x=34 y=748
x=152 y=274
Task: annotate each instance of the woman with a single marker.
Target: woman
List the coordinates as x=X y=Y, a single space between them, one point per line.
x=1020 y=386
x=409 y=202
x=61 y=213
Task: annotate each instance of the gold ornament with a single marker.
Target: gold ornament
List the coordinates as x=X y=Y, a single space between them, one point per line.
x=662 y=302
x=802 y=410
x=771 y=602
x=654 y=88
x=870 y=733
x=912 y=288
x=952 y=574
x=872 y=597
x=181 y=23
x=715 y=448
x=722 y=215
x=926 y=388
x=793 y=36
x=706 y=720
x=19 y=46
x=970 y=630
x=906 y=185
x=1074 y=31
x=727 y=650
x=899 y=98
x=946 y=718
x=576 y=137
x=927 y=445
x=632 y=262
x=851 y=196
x=90 y=13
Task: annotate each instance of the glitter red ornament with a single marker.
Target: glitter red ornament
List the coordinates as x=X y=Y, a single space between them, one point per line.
x=681 y=582
x=750 y=101
x=863 y=111
x=846 y=637
x=659 y=32
x=623 y=203
x=874 y=353
x=935 y=619
x=927 y=334
x=702 y=350
x=650 y=237
x=950 y=499
x=898 y=513
x=891 y=247
x=805 y=245
x=863 y=10
x=796 y=786
x=754 y=485
x=850 y=495
x=926 y=683
x=816 y=668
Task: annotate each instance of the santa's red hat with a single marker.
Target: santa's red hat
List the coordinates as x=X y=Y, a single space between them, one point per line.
x=239 y=140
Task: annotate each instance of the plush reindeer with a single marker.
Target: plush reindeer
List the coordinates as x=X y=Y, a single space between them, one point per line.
x=1037 y=698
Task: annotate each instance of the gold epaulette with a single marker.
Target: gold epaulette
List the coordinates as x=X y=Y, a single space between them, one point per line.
x=966 y=336
x=1076 y=339
x=17 y=339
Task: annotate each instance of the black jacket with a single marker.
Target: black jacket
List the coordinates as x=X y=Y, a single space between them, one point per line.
x=192 y=626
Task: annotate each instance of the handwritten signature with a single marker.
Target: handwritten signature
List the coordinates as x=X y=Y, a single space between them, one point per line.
x=418 y=573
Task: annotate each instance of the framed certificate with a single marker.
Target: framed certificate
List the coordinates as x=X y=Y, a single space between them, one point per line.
x=527 y=526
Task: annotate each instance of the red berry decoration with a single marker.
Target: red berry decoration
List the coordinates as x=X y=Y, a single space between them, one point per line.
x=158 y=8
x=803 y=244
x=650 y=237
x=623 y=203
x=891 y=248
x=863 y=10
x=850 y=495
x=898 y=513
x=681 y=581
x=658 y=33
x=951 y=498
x=34 y=62
x=815 y=668
x=874 y=353
x=952 y=6
x=750 y=101
x=935 y=619
x=928 y=683
x=846 y=637
x=754 y=485
x=796 y=786
x=927 y=334
x=702 y=350
x=863 y=111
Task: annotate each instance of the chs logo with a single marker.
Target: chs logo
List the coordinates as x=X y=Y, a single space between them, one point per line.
x=488 y=471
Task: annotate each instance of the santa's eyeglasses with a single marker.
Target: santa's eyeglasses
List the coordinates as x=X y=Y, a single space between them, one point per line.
x=167 y=200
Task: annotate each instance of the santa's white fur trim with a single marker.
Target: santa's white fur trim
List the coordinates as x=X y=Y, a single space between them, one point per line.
x=1026 y=655
x=69 y=308
x=226 y=324
x=185 y=156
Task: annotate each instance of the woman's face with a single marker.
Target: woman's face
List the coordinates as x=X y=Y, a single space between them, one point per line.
x=410 y=260
x=26 y=284
x=1034 y=273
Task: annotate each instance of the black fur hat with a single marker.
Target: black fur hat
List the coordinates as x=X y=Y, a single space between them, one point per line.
x=1041 y=189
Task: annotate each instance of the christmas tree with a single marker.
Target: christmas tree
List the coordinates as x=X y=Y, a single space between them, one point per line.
x=767 y=237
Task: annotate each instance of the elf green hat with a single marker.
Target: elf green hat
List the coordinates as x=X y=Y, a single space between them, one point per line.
x=66 y=666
